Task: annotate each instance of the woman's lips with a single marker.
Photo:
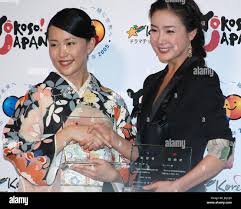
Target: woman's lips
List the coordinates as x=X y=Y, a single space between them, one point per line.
x=164 y=50
x=65 y=63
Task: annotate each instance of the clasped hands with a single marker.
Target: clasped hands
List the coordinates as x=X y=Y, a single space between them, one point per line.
x=95 y=137
x=92 y=137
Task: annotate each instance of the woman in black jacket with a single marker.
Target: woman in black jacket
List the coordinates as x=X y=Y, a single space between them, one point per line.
x=182 y=103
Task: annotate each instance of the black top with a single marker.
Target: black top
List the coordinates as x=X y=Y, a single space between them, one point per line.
x=190 y=108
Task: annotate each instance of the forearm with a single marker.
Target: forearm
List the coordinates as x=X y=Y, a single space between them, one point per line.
x=207 y=168
x=124 y=147
x=61 y=140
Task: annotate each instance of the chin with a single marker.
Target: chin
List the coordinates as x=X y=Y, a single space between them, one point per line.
x=65 y=72
x=163 y=60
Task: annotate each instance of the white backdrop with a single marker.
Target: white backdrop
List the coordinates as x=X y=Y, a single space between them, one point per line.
x=119 y=61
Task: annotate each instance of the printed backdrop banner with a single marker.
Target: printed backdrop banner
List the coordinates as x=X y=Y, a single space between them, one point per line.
x=122 y=59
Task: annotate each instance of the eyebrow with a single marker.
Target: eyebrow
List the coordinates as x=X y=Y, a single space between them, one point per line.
x=167 y=26
x=67 y=39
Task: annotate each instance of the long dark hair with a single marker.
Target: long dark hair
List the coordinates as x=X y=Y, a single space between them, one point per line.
x=191 y=17
x=74 y=21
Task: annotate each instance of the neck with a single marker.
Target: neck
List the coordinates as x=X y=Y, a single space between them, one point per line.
x=175 y=64
x=79 y=78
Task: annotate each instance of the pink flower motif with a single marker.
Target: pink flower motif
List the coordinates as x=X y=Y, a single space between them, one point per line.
x=13 y=148
x=10 y=122
x=42 y=91
x=32 y=126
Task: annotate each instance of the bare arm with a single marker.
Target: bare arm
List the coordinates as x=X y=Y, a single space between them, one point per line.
x=205 y=169
x=124 y=147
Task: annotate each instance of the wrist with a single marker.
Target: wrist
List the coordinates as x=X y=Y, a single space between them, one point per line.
x=116 y=141
x=113 y=138
x=177 y=186
x=65 y=136
x=118 y=178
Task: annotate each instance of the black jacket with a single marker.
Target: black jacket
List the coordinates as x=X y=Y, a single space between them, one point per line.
x=190 y=108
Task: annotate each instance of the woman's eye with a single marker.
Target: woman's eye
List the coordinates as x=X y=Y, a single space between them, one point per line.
x=151 y=31
x=52 y=45
x=170 y=31
x=70 y=43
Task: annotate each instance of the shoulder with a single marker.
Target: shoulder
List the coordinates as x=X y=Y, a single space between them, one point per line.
x=34 y=94
x=202 y=85
x=152 y=78
x=201 y=76
x=110 y=95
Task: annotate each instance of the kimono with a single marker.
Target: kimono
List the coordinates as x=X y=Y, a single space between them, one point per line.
x=29 y=136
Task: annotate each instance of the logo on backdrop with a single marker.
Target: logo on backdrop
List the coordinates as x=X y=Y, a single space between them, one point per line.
x=225 y=31
x=103 y=27
x=138 y=34
x=20 y=35
x=226 y=185
x=8 y=101
x=8 y=183
x=233 y=106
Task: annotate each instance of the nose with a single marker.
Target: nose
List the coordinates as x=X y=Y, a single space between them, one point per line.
x=63 y=51
x=161 y=38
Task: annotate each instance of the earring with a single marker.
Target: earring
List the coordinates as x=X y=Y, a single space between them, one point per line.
x=190 y=51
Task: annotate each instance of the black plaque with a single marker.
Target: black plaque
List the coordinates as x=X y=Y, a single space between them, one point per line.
x=158 y=163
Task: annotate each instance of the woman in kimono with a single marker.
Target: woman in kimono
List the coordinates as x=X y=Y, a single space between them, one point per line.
x=52 y=119
x=179 y=104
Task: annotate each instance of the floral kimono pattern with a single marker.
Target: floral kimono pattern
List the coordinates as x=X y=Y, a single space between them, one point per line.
x=29 y=136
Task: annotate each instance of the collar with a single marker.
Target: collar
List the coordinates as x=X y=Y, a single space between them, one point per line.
x=185 y=67
x=82 y=88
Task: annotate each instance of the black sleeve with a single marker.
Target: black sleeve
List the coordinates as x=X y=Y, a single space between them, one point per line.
x=209 y=101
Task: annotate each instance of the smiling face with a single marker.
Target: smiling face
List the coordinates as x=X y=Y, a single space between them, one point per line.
x=169 y=37
x=233 y=107
x=69 y=53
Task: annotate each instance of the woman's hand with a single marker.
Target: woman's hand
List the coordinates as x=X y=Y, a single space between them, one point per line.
x=162 y=186
x=76 y=134
x=99 y=170
x=89 y=141
x=103 y=134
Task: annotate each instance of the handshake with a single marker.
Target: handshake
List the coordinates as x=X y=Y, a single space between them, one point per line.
x=92 y=133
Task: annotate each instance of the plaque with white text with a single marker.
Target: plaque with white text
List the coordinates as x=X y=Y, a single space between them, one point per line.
x=158 y=163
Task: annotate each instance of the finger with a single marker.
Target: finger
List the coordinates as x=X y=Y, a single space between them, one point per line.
x=83 y=140
x=99 y=142
x=87 y=170
x=98 y=127
x=97 y=130
x=101 y=137
x=95 y=146
x=93 y=127
x=97 y=161
x=106 y=143
x=87 y=145
x=90 y=129
x=153 y=186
